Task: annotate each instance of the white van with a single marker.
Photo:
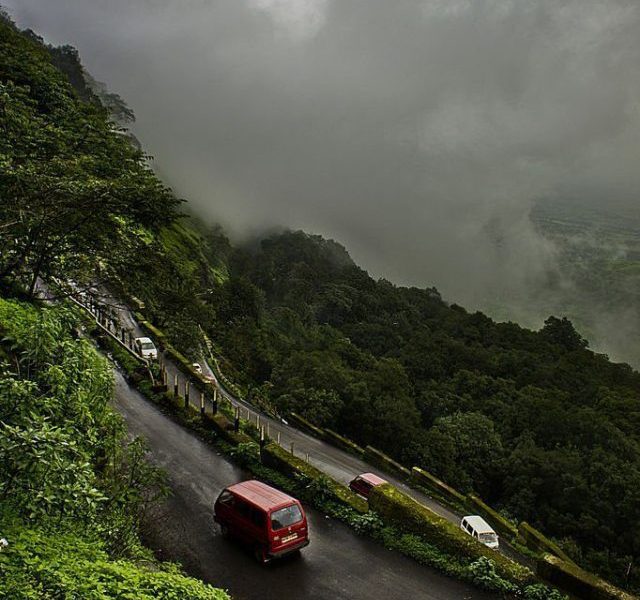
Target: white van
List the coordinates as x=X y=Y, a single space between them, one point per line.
x=478 y=528
x=146 y=349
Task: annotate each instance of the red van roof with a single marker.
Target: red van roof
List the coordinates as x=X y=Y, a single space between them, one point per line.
x=261 y=495
x=372 y=478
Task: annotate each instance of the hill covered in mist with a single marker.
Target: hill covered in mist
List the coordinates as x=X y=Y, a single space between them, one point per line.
x=537 y=423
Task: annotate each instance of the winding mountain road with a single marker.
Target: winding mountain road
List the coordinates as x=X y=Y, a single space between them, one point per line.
x=337 y=463
x=338 y=564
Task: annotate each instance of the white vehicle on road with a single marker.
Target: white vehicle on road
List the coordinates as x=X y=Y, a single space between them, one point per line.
x=146 y=349
x=478 y=528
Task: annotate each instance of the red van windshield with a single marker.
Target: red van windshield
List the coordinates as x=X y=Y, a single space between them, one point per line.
x=285 y=517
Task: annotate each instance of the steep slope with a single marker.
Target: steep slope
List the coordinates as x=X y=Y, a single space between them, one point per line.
x=538 y=424
x=72 y=487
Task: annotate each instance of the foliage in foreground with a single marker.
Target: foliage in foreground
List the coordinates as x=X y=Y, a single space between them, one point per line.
x=43 y=564
x=72 y=489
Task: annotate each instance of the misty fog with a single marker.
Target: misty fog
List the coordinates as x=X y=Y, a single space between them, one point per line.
x=417 y=133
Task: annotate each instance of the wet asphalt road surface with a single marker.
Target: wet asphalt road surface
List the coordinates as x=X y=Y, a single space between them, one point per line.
x=338 y=564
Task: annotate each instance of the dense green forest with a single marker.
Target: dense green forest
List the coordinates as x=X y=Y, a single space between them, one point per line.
x=535 y=422
x=539 y=425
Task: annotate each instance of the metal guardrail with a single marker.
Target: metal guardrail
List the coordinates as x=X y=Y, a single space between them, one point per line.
x=109 y=325
x=106 y=323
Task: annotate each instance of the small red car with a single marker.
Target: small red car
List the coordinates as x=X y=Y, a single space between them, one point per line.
x=270 y=521
x=364 y=483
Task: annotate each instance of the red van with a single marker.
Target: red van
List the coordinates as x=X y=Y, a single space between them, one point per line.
x=364 y=483
x=270 y=521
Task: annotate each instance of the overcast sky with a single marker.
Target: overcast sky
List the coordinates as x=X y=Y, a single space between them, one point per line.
x=416 y=132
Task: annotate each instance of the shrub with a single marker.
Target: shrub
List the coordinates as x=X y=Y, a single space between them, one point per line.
x=38 y=564
x=540 y=591
x=578 y=582
x=318 y=488
x=246 y=453
x=484 y=575
x=369 y=523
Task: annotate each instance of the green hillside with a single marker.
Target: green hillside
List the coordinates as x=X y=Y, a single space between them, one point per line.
x=72 y=488
x=536 y=423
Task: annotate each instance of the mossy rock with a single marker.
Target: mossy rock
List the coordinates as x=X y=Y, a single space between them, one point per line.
x=499 y=523
x=301 y=423
x=429 y=481
x=343 y=443
x=161 y=338
x=536 y=541
x=385 y=463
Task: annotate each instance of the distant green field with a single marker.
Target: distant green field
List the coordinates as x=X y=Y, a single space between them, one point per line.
x=598 y=286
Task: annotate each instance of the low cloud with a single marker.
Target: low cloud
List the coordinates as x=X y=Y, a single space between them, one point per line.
x=418 y=133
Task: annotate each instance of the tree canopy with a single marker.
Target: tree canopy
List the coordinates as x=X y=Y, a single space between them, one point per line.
x=69 y=180
x=538 y=424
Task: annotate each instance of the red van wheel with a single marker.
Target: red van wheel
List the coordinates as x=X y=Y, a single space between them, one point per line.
x=260 y=554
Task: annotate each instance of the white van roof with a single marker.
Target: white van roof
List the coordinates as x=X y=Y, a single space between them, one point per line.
x=144 y=340
x=479 y=524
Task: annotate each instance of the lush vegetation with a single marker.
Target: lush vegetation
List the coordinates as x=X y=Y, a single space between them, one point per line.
x=72 y=490
x=45 y=564
x=536 y=423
